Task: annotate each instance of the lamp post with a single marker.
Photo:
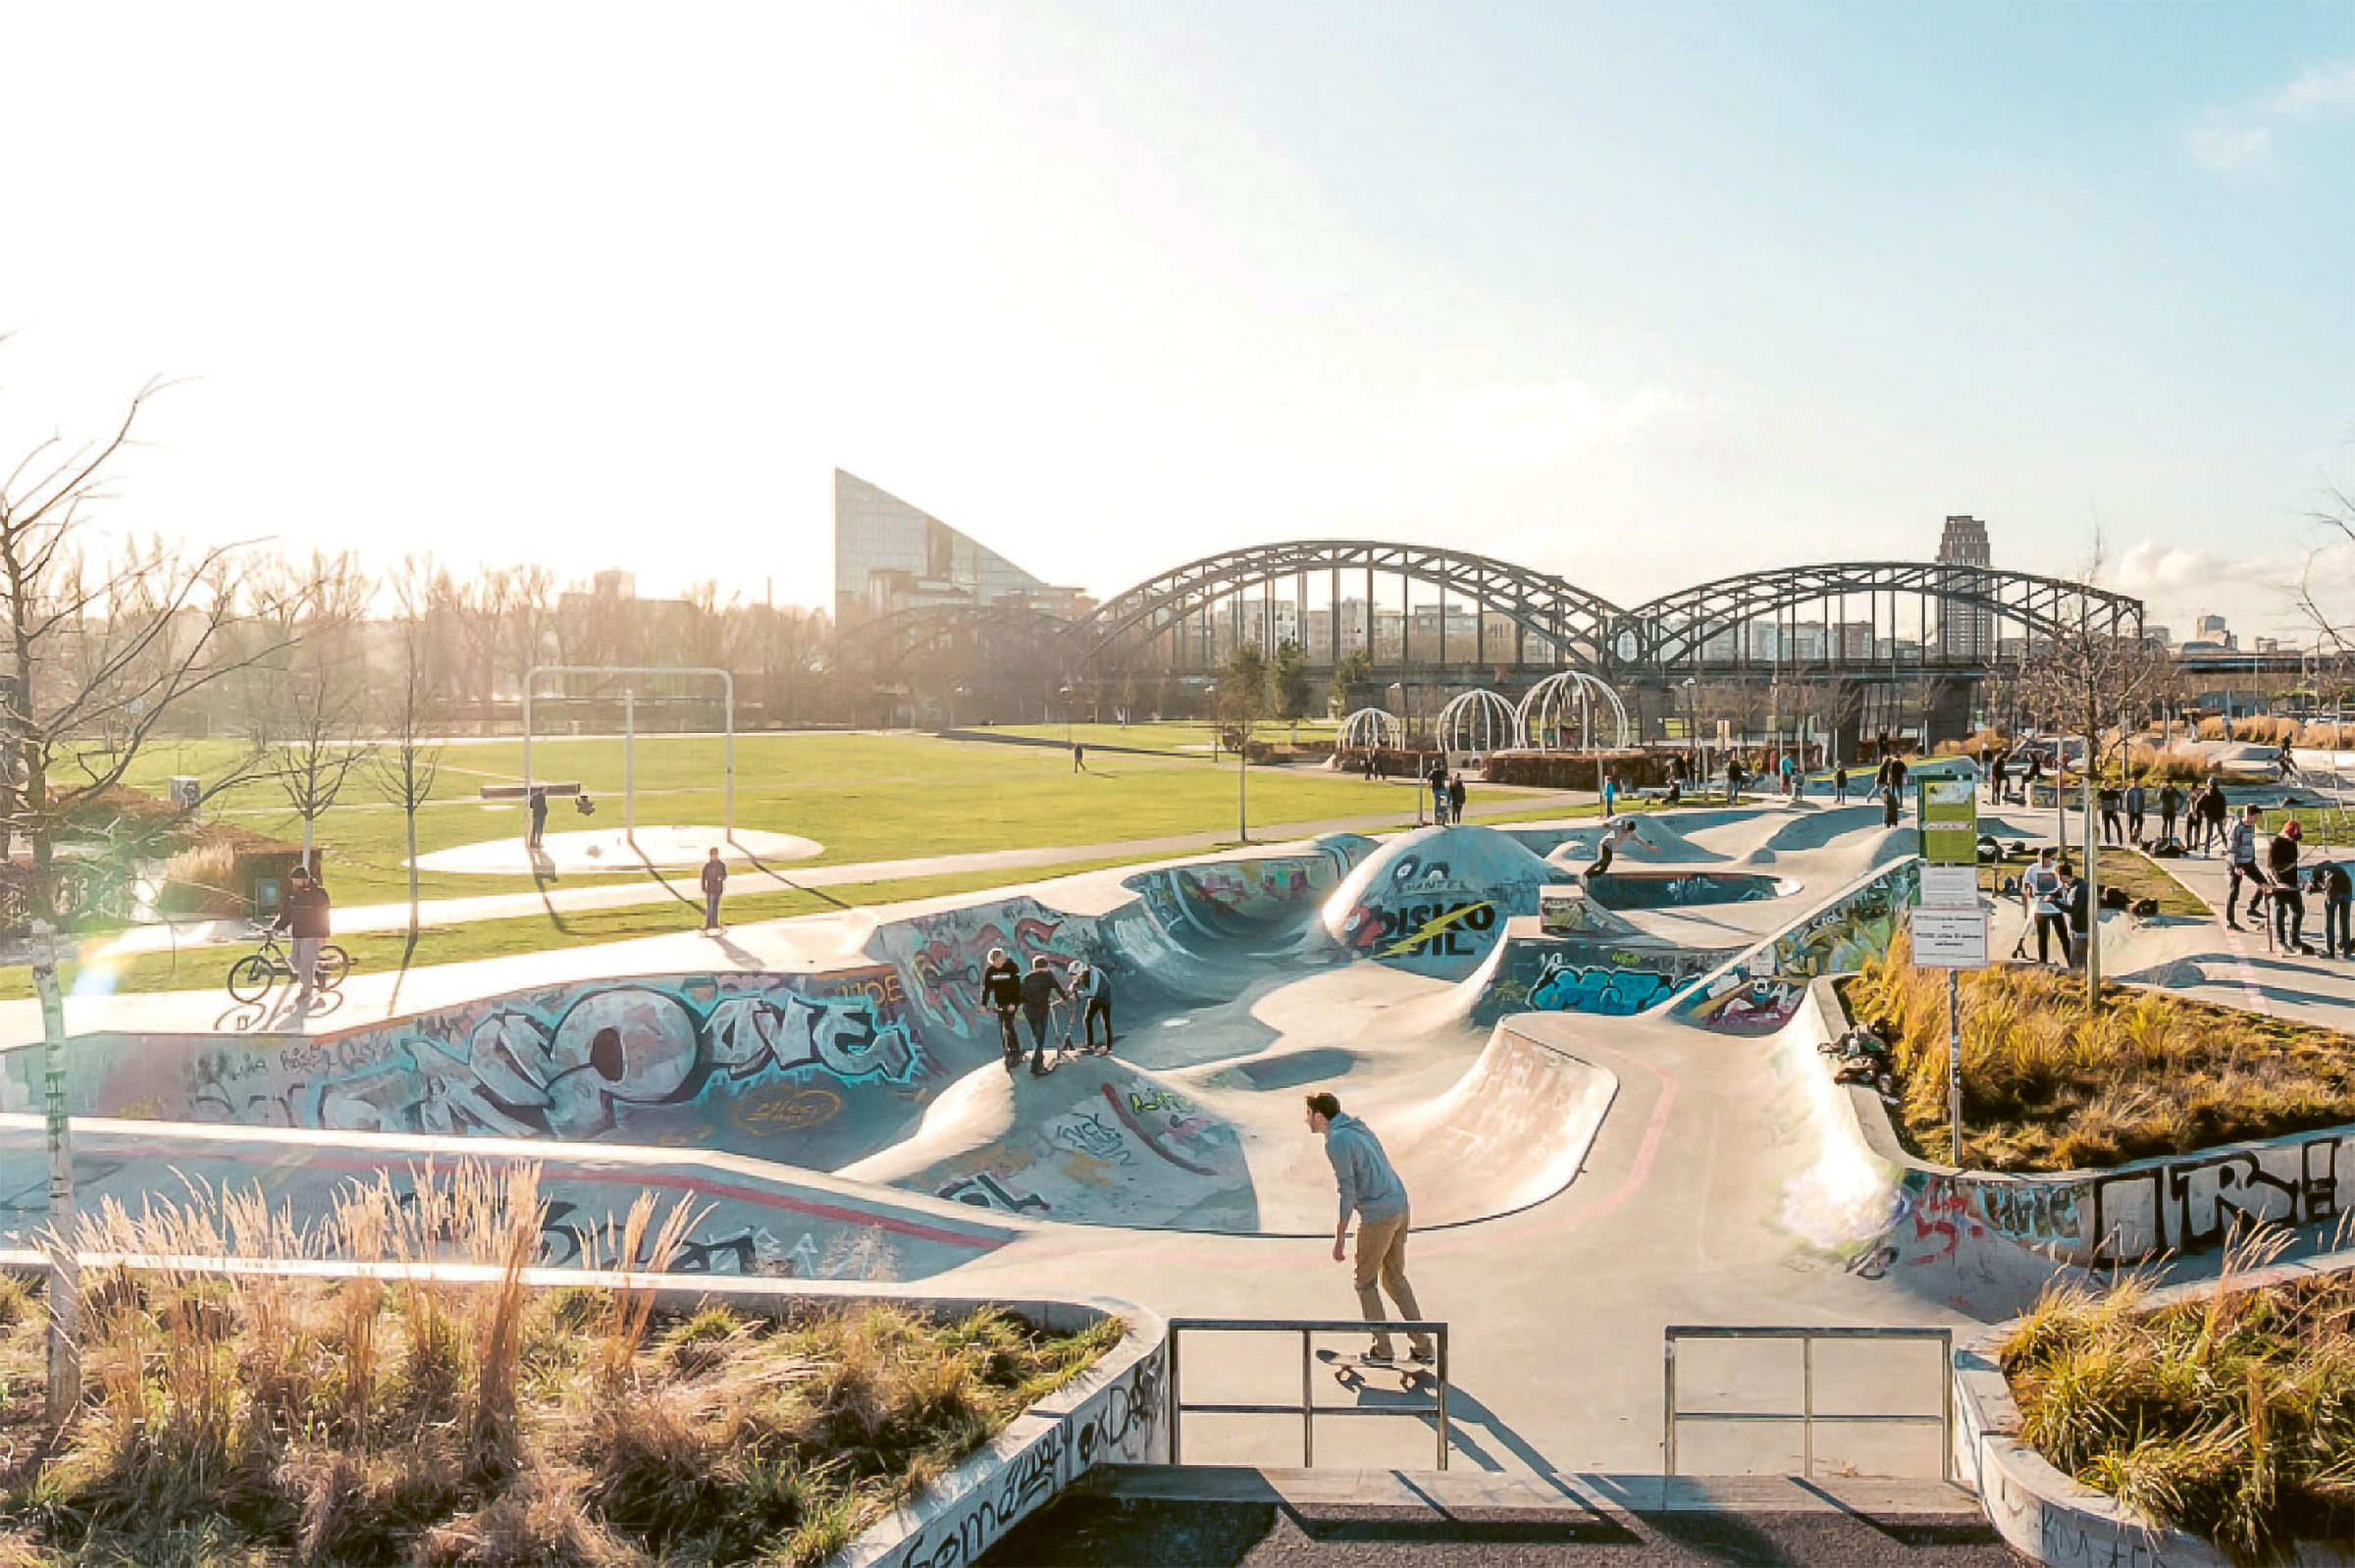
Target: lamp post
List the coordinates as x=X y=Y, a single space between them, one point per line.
x=1692 y=724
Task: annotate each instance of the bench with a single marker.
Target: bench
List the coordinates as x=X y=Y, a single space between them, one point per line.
x=519 y=792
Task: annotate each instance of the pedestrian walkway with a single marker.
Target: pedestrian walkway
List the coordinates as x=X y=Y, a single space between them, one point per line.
x=360 y=919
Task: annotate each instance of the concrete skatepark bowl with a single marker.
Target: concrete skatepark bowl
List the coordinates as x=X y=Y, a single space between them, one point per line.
x=1634 y=1113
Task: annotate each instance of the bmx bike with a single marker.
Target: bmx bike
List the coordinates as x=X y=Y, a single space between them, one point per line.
x=251 y=976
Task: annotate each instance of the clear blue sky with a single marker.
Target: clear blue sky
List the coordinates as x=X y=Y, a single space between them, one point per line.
x=1638 y=292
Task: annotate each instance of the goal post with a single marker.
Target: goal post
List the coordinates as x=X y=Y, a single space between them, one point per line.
x=627 y=672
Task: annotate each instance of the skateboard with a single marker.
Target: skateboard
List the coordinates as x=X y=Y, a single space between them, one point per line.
x=1351 y=1371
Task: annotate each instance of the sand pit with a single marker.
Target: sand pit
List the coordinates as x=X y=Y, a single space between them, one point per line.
x=609 y=849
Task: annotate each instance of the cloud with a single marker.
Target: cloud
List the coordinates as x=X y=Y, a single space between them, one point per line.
x=2259 y=594
x=2152 y=569
x=2244 y=138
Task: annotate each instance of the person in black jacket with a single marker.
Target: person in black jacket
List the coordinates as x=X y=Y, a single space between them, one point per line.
x=2281 y=876
x=2337 y=891
x=1002 y=993
x=2077 y=907
x=304 y=917
x=1040 y=991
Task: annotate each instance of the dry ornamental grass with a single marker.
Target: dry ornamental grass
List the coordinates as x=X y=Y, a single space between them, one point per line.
x=2232 y=1418
x=2048 y=1085
x=259 y=1418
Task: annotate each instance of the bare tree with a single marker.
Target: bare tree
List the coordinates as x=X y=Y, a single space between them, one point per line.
x=98 y=657
x=530 y=626
x=317 y=697
x=2089 y=672
x=2333 y=630
x=405 y=765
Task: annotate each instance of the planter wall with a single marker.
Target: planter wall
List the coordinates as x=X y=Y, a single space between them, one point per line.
x=2047 y=1515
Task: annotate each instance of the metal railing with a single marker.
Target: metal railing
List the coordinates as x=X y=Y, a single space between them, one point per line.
x=1307 y=1409
x=1809 y=1417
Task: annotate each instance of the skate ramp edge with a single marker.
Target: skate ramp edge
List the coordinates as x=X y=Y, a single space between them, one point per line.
x=1512 y=1132
x=1758 y=992
x=1614 y=976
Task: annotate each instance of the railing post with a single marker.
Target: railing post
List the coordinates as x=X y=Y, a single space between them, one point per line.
x=1807 y=1396
x=1176 y=1401
x=1308 y=1404
x=1946 y=1411
x=1442 y=1338
x=1668 y=1409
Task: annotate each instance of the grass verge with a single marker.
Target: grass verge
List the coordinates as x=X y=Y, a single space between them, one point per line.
x=2048 y=1085
x=2232 y=1417
x=260 y=1419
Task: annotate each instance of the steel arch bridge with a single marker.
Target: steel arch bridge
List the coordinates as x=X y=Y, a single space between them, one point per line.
x=1183 y=603
x=1529 y=621
x=1676 y=630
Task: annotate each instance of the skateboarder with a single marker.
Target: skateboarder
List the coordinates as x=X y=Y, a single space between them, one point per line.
x=1616 y=835
x=1040 y=991
x=1091 y=989
x=1002 y=993
x=716 y=882
x=536 y=803
x=1370 y=1189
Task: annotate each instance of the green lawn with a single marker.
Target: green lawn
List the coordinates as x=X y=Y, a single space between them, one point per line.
x=864 y=797
x=1174 y=737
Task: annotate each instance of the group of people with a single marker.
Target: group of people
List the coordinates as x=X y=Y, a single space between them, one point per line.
x=2278 y=889
x=1006 y=991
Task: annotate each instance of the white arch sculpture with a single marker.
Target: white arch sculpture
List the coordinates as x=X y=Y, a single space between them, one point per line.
x=1573 y=704
x=1480 y=722
x=1373 y=729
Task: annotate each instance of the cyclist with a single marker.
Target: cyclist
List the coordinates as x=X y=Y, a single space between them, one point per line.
x=304 y=917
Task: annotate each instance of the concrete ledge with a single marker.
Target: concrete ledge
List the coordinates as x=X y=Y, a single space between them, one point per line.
x=2166 y=1204
x=2049 y=1516
x=1524 y=1492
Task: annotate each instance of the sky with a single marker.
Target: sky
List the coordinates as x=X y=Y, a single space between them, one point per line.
x=1639 y=293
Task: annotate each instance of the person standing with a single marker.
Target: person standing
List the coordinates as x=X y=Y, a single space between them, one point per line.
x=2282 y=889
x=1371 y=1190
x=1002 y=994
x=2213 y=812
x=1610 y=795
x=304 y=919
x=2040 y=901
x=2137 y=809
x=536 y=803
x=716 y=882
x=1040 y=991
x=2028 y=781
x=2240 y=855
x=1733 y=779
x=1455 y=798
x=1438 y=780
x=1079 y=758
x=1789 y=770
x=1091 y=989
x=2337 y=891
x=1840 y=785
x=2171 y=805
x=2108 y=798
x=2000 y=775
x=2076 y=905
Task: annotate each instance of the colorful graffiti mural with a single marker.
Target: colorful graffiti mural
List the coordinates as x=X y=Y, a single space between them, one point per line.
x=1584 y=974
x=1759 y=994
x=1637 y=890
x=1435 y=902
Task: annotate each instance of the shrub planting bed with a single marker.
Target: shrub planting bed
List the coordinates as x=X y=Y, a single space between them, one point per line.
x=263 y=1418
x=2048 y=1085
x=2230 y=1416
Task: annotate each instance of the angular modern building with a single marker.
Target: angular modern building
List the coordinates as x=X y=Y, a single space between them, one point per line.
x=889 y=557
x=1965 y=632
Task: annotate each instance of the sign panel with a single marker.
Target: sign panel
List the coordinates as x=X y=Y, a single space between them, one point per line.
x=1950 y=940
x=1950 y=821
x=1950 y=887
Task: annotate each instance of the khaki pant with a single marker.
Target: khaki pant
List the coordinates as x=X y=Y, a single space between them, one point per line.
x=1381 y=1255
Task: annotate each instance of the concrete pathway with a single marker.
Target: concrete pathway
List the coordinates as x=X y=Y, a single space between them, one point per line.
x=680 y=887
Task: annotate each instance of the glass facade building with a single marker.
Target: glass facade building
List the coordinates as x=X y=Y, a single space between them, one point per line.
x=889 y=557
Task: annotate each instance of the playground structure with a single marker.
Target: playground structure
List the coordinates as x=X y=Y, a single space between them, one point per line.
x=1561 y=713
x=1371 y=729
x=1477 y=723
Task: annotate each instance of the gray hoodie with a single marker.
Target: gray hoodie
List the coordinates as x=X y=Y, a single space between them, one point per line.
x=1362 y=1170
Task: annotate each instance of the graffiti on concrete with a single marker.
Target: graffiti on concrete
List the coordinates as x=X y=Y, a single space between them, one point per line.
x=1118 y=1422
x=943 y=954
x=572 y=1062
x=1635 y=890
x=984 y=1190
x=1760 y=995
x=2202 y=1202
x=1234 y=895
x=1613 y=993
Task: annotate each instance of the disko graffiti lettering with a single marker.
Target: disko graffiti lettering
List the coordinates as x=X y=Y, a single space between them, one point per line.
x=1760 y=995
x=571 y=1062
x=1118 y=1423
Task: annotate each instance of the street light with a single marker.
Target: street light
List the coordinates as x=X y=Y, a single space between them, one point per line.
x=1691 y=722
